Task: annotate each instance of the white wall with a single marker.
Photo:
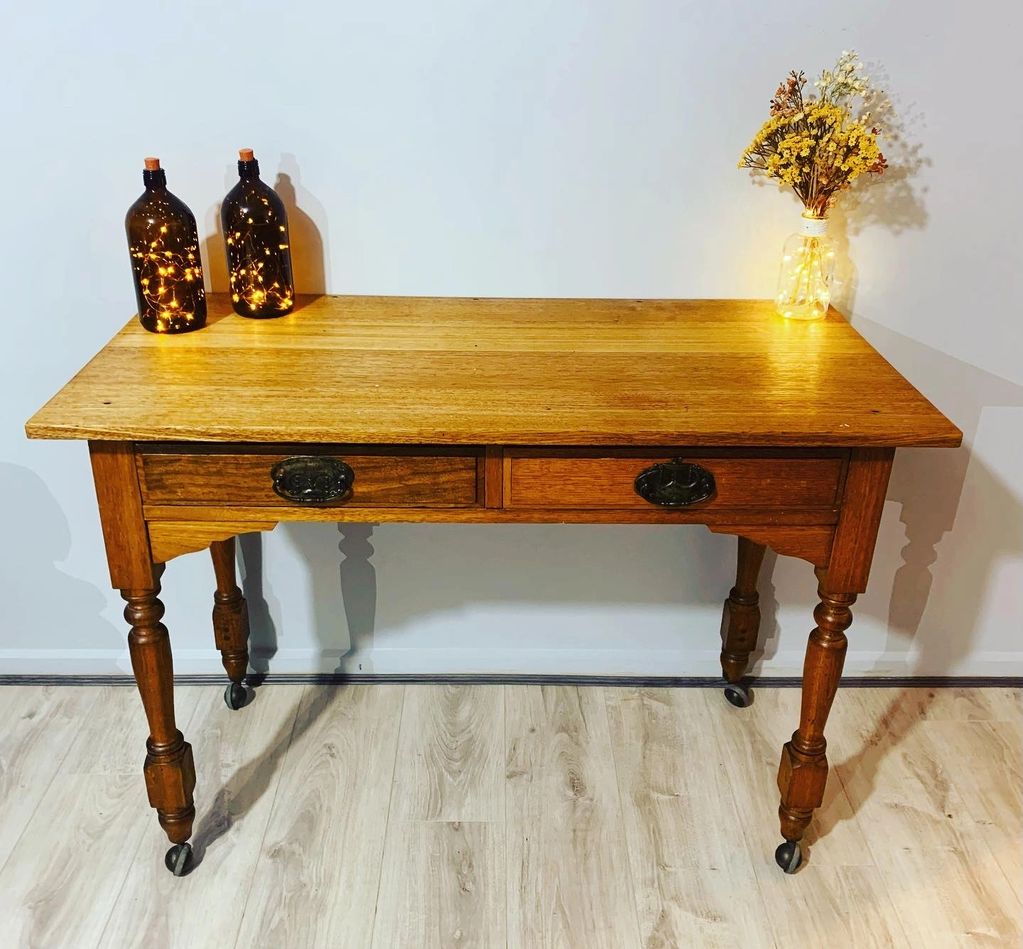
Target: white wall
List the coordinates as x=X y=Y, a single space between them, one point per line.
x=534 y=148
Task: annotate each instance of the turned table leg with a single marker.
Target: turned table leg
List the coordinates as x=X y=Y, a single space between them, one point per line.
x=740 y=623
x=804 y=765
x=230 y=623
x=168 y=769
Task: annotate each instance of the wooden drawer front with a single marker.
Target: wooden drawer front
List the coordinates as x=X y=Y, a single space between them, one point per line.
x=382 y=479
x=589 y=480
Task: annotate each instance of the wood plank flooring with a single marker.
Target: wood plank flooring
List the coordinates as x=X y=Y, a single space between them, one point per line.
x=390 y=816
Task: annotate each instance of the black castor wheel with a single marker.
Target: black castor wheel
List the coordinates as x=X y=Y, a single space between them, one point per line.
x=179 y=860
x=738 y=695
x=237 y=695
x=789 y=856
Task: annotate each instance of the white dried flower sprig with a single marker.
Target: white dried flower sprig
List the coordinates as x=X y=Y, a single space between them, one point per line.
x=847 y=81
x=844 y=81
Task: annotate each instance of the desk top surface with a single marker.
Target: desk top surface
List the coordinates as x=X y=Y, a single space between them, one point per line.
x=405 y=370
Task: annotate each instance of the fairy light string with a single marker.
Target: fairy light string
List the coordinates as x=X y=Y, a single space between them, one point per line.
x=170 y=279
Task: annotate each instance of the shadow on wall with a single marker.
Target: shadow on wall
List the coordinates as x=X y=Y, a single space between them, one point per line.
x=934 y=487
x=449 y=568
x=894 y=201
x=214 y=253
x=38 y=538
x=307 y=229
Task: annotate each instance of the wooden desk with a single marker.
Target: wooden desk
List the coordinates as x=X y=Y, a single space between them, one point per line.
x=469 y=410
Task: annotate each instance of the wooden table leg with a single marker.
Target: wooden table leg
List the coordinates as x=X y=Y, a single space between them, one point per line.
x=741 y=621
x=804 y=765
x=169 y=770
x=230 y=623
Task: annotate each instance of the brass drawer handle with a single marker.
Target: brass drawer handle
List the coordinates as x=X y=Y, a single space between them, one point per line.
x=675 y=483
x=311 y=479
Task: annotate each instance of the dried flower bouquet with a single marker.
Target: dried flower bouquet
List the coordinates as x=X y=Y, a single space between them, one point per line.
x=820 y=144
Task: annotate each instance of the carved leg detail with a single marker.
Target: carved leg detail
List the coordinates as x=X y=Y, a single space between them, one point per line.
x=168 y=770
x=804 y=765
x=741 y=621
x=230 y=613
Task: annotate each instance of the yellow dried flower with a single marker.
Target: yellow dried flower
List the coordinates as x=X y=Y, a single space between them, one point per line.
x=815 y=146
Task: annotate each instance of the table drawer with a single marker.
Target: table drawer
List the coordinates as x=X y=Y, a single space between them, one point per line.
x=585 y=479
x=342 y=476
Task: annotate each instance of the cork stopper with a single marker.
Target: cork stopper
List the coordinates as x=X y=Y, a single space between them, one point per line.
x=246 y=154
x=152 y=164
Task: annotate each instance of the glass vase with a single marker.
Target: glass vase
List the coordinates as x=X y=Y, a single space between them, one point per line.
x=807 y=269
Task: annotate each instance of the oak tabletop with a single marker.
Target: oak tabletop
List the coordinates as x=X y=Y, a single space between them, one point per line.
x=470 y=371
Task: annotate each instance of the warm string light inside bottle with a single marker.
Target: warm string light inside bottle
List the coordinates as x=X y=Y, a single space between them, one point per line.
x=256 y=280
x=258 y=253
x=163 y=244
x=804 y=285
x=161 y=273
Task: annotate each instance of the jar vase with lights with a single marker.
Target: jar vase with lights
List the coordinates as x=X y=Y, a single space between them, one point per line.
x=258 y=247
x=807 y=271
x=163 y=242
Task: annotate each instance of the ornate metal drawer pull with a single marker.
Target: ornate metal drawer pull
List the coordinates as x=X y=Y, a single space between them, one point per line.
x=311 y=479
x=675 y=483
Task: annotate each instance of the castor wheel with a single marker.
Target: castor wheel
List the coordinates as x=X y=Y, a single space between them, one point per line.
x=738 y=695
x=237 y=695
x=789 y=856
x=179 y=859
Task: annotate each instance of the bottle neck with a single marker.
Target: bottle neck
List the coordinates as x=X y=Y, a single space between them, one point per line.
x=248 y=170
x=155 y=180
x=813 y=226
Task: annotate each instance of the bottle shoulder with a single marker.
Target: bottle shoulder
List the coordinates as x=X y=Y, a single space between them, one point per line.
x=153 y=206
x=252 y=201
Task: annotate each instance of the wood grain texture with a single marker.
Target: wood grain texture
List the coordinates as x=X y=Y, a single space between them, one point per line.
x=443 y=875
x=740 y=622
x=39 y=726
x=748 y=741
x=169 y=769
x=983 y=761
x=241 y=758
x=569 y=880
x=129 y=558
x=83 y=831
x=63 y=878
x=862 y=503
x=808 y=543
x=170 y=539
x=896 y=870
x=381 y=479
x=442 y=885
x=450 y=763
x=576 y=480
x=317 y=877
x=803 y=771
x=493 y=475
x=230 y=612
x=406 y=370
x=730 y=520
x=693 y=879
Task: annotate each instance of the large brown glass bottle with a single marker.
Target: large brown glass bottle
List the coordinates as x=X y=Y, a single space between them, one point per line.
x=164 y=245
x=258 y=251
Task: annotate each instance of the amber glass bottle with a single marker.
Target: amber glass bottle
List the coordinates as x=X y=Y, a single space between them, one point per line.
x=164 y=245
x=258 y=252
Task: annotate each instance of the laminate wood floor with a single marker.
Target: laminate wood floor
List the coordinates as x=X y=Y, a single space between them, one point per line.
x=387 y=816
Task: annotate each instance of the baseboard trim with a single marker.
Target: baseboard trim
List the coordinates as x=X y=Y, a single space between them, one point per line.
x=645 y=682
